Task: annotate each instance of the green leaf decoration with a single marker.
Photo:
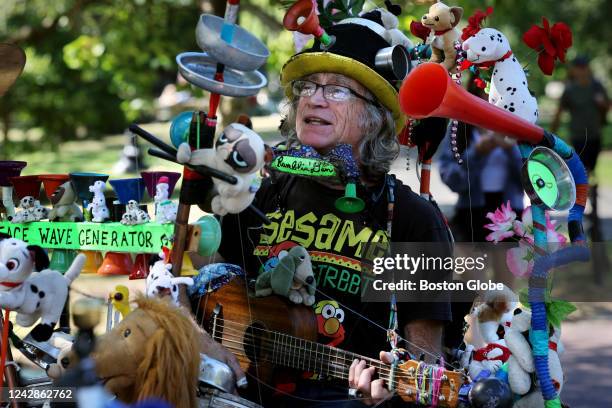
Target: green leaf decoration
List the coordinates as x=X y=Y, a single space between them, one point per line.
x=556 y=310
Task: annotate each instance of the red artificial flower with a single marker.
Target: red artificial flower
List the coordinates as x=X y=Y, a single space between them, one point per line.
x=475 y=23
x=419 y=30
x=550 y=42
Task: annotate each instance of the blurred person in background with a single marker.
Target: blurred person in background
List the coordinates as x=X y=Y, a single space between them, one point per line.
x=488 y=177
x=587 y=102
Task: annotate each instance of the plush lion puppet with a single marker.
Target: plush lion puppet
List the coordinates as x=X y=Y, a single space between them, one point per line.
x=153 y=352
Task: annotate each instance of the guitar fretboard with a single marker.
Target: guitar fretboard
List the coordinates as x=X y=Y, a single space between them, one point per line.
x=307 y=355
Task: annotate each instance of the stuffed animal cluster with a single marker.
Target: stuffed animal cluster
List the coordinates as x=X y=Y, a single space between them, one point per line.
x=161 y=282
x=134 y=215
x=292 y=277
x=165 y=208
x=97 y=207
x=34 y=295
x=498 y=334
x=238 y=151
x=64 y=207
x=31 y=211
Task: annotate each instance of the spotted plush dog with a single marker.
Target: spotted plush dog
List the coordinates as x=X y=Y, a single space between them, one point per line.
x=33 y=295
x=509 y=89
x=161 y=282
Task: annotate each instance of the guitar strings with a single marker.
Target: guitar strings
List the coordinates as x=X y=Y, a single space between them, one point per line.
x=402 y=387
x=290 y=338
x=284 y=348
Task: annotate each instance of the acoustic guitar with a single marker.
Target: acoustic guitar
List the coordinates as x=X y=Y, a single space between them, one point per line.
x=271 y=331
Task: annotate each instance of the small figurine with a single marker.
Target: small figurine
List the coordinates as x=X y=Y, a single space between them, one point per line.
x=165 y=209
x=64 y=206
x=238 y=151
x=134 y=215
x=97 y=207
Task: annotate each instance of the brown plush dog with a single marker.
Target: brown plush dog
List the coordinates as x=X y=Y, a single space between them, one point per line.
x=442 y=21
x=153 y=352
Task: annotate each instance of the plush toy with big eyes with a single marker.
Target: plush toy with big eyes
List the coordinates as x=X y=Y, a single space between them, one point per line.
x=238 y=151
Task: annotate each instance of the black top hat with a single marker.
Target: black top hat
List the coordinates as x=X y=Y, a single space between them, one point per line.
x=352 y=53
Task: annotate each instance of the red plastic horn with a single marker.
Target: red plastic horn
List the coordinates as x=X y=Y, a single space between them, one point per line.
x=429 y=91
x=302 y=17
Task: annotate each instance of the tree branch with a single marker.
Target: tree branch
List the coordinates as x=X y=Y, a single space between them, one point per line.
x=268 y=20
x=32 y=34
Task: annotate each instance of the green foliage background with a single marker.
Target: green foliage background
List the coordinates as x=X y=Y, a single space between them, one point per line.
x=95 y=65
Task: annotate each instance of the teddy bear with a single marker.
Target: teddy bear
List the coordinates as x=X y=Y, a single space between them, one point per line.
x=97 y=207
x=292 y=277
x=238 y=151
x=509 y=89
x=485 y=338
x=34 y=295
x=442 y=20
x=521 y=365
x=64 y=207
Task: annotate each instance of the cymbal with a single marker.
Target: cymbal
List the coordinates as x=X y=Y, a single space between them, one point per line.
x=12 y=61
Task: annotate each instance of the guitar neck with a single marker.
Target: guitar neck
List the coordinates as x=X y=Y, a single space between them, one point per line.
x=308 y=355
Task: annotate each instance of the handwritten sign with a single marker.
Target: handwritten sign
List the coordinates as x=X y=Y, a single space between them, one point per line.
x=304 y=166
x=144 y=238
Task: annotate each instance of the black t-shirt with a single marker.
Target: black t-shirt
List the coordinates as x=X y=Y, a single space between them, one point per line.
x=302 y=212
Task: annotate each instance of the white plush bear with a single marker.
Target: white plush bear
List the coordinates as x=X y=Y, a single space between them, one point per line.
x=520 y=363
x=238 y=151
x=509 y=89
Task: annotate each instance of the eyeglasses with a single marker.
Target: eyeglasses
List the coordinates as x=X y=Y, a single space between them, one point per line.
x=331 y=92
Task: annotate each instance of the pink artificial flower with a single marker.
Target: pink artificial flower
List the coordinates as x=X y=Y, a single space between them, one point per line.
x=502 y=223
x=520 y=260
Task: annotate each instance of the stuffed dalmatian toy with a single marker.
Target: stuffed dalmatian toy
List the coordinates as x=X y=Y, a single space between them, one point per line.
x=33 y=295
x=509 y=88
x=27 y=205
x=161 y=282
x=134 y=215
x=238 y=151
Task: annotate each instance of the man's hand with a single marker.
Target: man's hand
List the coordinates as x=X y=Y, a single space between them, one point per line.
x=215 y=350
x=360 y=378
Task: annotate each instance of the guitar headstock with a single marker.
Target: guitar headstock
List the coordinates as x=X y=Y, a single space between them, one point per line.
x=418 y=382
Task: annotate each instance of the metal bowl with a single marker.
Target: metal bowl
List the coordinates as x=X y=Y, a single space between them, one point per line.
x=244 y=53
x=199 y=68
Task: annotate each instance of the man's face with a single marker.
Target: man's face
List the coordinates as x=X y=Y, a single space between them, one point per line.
x=322 y=123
